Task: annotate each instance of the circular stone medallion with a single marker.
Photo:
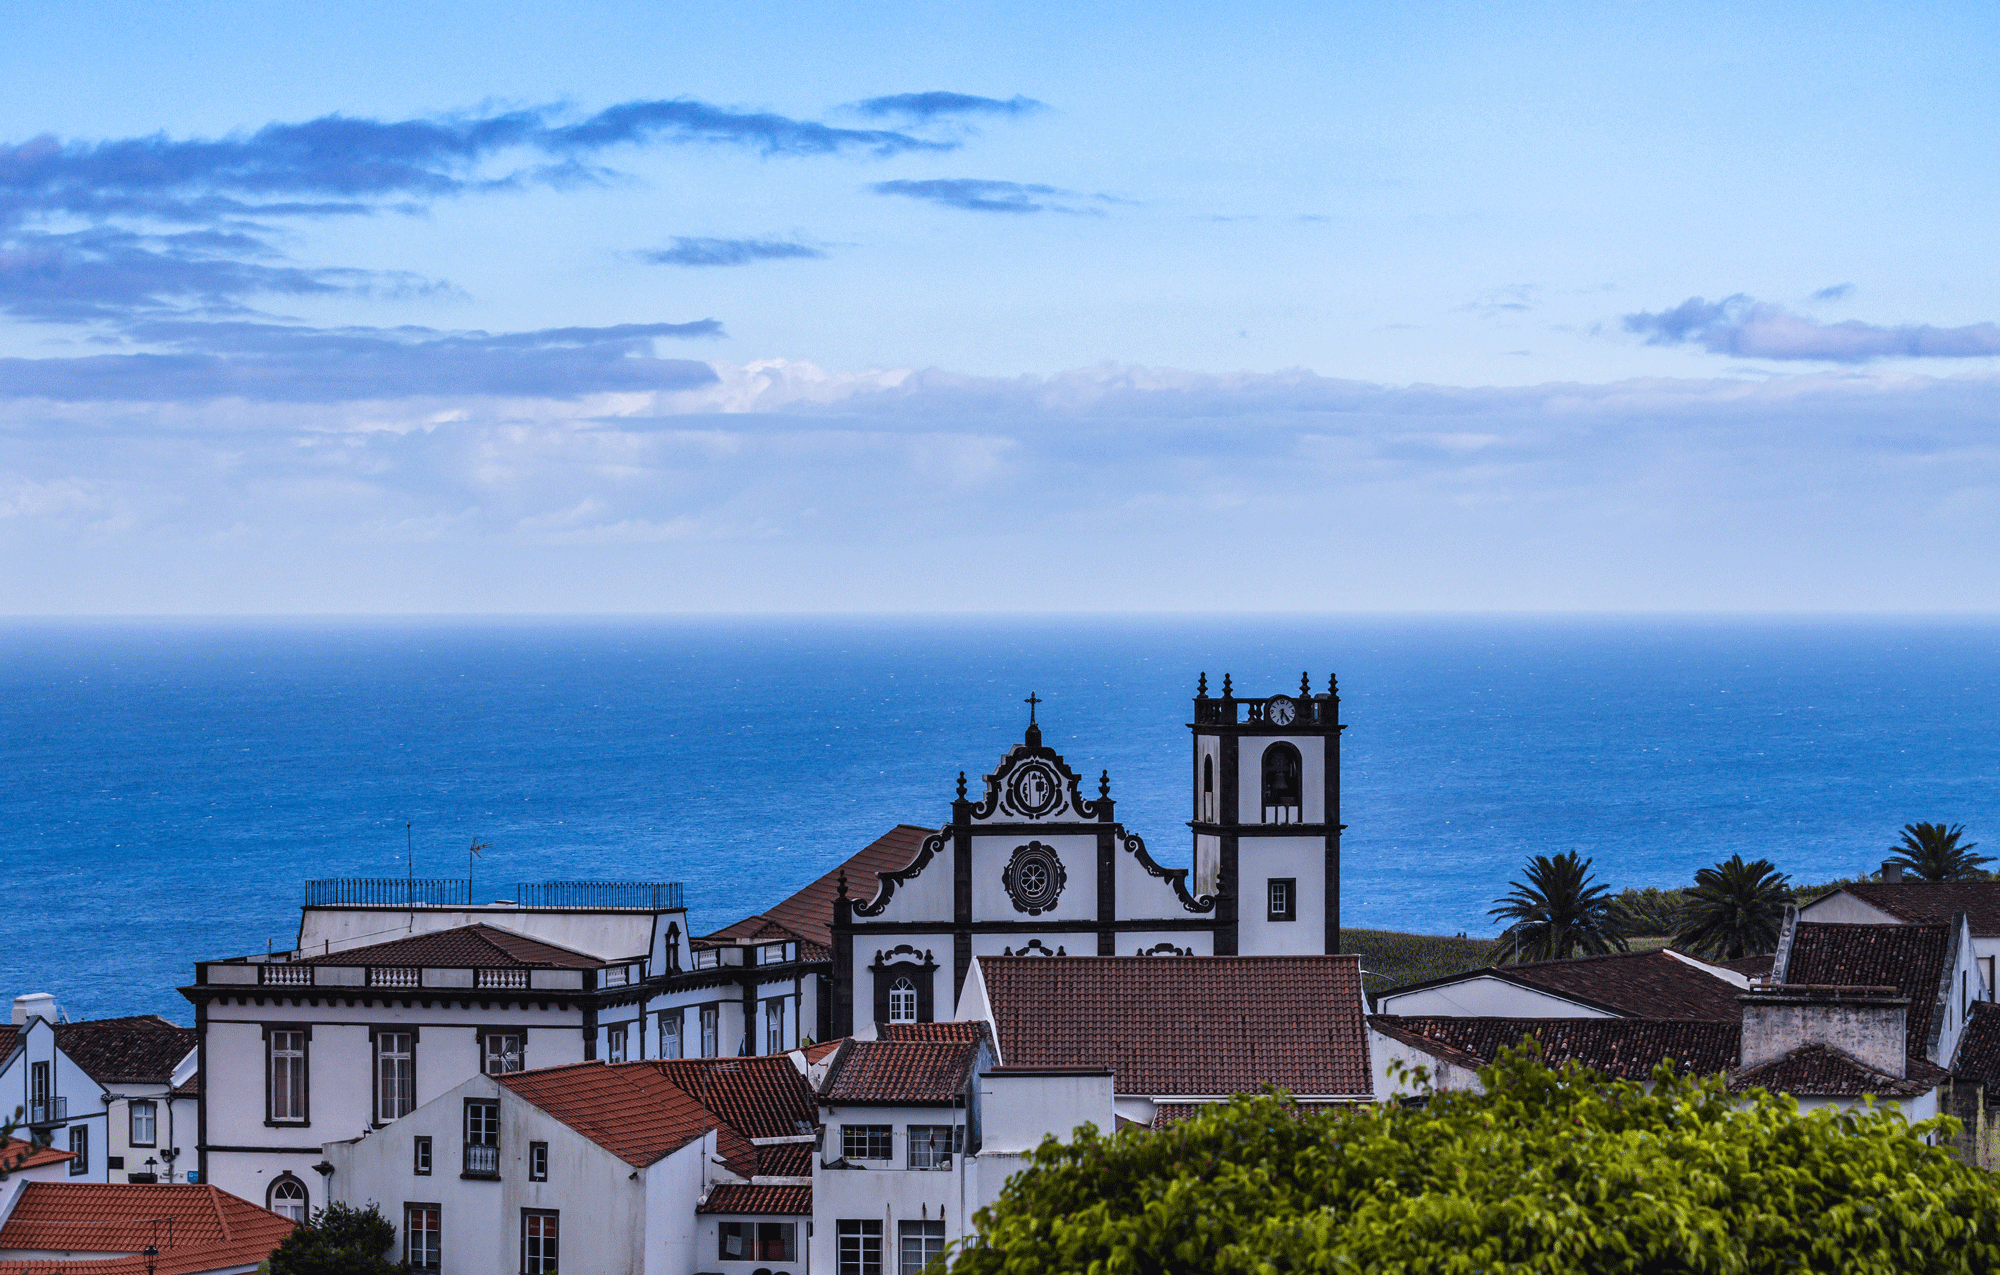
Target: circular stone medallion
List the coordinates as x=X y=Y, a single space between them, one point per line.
x=1034 y=789
x=1034 y=878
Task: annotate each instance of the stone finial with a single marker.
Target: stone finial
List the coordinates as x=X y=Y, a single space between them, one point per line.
x=1305 y=687
x=1201 y=691
x=1332 y=688
x=1226 y=691
x=961 y=785
x=1104 y=784
x=843 y=885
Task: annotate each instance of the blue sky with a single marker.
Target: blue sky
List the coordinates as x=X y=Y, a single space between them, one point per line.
x=768 y=307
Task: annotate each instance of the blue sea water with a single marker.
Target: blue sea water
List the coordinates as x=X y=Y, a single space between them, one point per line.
x=167 y=788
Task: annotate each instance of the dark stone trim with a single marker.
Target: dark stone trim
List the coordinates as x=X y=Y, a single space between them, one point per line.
x=1044 y=828
x=887 y=967
x=843 y=969
x=1107 y=893
x=961 y=891
x=1082 y=925
x=1263 y=829
x=748 y=1048
x=1334 y=827
x=200 y=1108
x=887 y=882
x=205 y=1148
x=1227 y=887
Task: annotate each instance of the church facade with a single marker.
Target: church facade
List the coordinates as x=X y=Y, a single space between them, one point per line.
x=1035 y=865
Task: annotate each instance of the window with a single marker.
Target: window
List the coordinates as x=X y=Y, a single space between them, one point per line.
x=502 y=1052
x=79 y=1146
x=420 y=1156
x=38 y=1082
x=903 y=1001
x=774 y=1026
x=866 y=1142
x=42 y=1103
x=1964 y=993
x=860 y=1247
x=482 y=1137
x=1986 y=976
x=1208 y=789
x=922 y=1241
x=670 y=1034
x=711 y=1025
x=932 y=1145
x=757 y=1242
x=538 y=1242
x=288 y=1075
x=614 y=1039
x=395 y=1075
x=1283 y=895
x=421 y=1247
x=1281 y=784
x=538 y=1162
x=145 y=1122
x=288 y=1198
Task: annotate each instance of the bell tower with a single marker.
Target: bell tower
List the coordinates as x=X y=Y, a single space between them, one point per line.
x=1267 y=818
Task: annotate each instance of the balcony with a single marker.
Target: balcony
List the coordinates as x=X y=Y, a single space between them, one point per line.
x=48 y=1111
x=481 y=1161
x=500 y=978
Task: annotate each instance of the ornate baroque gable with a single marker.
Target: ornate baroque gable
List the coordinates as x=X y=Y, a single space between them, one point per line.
x=1035 y=785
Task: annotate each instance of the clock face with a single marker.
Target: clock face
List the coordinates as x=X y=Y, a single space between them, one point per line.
x=1279 y=711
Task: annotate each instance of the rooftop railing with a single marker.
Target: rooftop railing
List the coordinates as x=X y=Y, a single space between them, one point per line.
x=657 y=895
x=398 y=892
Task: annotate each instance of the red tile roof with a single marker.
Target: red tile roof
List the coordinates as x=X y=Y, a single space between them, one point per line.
x=817 y=1053
x=34 y=1159
x=786 y=1201
x=809 y=913
x=1909 y=958
x=1191 y=1026
x=1629 y=984
x=210 y=1229
x=1821 y=1071
x=1978 y=1059
x=629 y=1109
x=10 y=1038
x=785 y=1160
x=476 y=946
x=1628 y=1048
x=761 y=1097
x=1750 y=967
x=898 y=1071
x=141 y=1050
x=963 y=1032
x=1935 y=902
x=762 y=929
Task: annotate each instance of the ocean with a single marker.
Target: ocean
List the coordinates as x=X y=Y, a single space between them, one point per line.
x=167 y=788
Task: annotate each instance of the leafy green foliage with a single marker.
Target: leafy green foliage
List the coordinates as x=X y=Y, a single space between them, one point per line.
x=1403 y=959
x=1931 y=852
x=342 y=1240
x=1651 y=911
x=1735 y=910
x=1557 y=912
x=1547 y=1171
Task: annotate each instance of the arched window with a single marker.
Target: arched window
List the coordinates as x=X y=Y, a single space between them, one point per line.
x=902 y=1001
x=1281 y=784
x=1208 y=789
x=288 y=1198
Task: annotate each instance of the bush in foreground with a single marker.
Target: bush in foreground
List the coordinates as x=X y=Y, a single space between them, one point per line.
x=342 y=1240
x=1547 y=1171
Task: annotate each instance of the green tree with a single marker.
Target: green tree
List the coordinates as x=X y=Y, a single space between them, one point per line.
x=1651 y=910
x=1557 y=912
x=1930 y=852
x=1734 y=910
x=1553 y=1172
x=12 y=1158
x=342 y=1240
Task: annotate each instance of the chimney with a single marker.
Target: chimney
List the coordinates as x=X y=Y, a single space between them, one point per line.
x=1869 y=1024
x=40 y=1005
x=1892 y=874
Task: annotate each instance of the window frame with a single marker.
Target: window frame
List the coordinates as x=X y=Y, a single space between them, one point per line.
x=423 y=1155
x=925 y=1135
x=79 y=1147
x=1290 y=912
x=538 y=1162
x=860 y=1230
x=302 y=1120
x=289 y=1179
x=485 y=1034
x=1278 y=751
x=616 y=1042
x=867 y=1134
x=484 y=1135
x=152 y=1109
x=376 y=1037
x=678 y=1019
x=711 y=1031
x=546 y=1263
x=436 y=1233
x=774 y=1025
x=926 y=1231
x=756 y=1243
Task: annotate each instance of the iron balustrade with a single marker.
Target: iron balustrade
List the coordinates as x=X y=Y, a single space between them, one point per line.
x=482 y=1161
x=401 y=892
x=654 y=895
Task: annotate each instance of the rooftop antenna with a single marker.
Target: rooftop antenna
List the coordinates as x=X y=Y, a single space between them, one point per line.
x=470 y=855
x=410 y=852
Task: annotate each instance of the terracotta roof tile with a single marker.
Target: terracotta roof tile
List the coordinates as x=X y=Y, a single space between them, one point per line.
x=34 y=1159
x=1631 y=984
x=629 y=1109
x=900 y=1071
x=1194 y=1025
x=1978 y=1057
x=1628 y=1048
x=127 y=1050
x=762 y=1097
x=1936 y=902
x=1750 y=967
x=809 y=913
x=1909 y=958
x=816 y=1054
x=785 y=1201
x=785 y=1160
x=10 y=1038
x=473 y=946
x=961 y=1032
x=210 y=1228
x=1167 y=1113
x=762 y=929
x=1821 y=1071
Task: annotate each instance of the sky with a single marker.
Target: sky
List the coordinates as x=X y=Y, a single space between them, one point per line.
x=618 y=308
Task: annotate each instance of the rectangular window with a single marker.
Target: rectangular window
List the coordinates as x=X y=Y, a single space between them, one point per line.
x=38 y=1082
x=1986 y=976
x=757 y=1242
x=288 y=1075
x=866 y=1142
x=774 y=1026
x=502 y=1052
x=538 y=1242
x=1964 y=993
x=1284 y=899
x=79 y=1146
x=922 y=1241
x=860 y=1247
x=395 y=1075
x=711 y=1030
x=145 y=1122
x=420 y=1156
x=933 y=1145
x=670 y=1034
x=538 y=1162
x=482 y=1137
x=422 y=1246
x=614 y=1043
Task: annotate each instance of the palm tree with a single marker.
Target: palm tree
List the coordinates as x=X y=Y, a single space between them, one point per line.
x=1930 y=851
x=1557 y=911
x=1734 y=910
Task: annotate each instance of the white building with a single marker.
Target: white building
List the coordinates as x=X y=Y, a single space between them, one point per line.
x=1662 y=984
x=1894 y=901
